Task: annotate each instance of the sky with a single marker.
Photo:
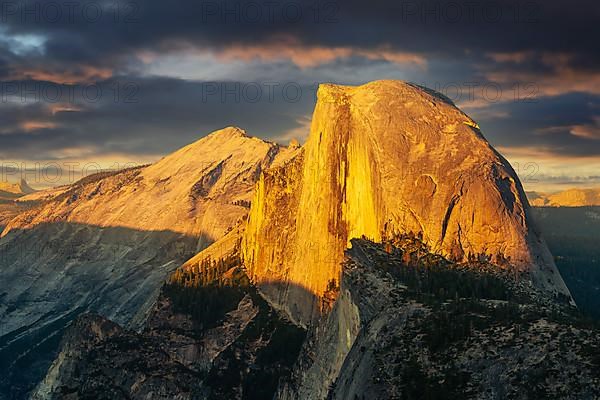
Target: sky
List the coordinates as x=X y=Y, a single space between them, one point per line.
x=92 y=85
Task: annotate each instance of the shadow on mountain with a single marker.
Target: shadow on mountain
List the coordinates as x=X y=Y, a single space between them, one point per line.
x=54 y=272
x=211 y=335
x=298 y=300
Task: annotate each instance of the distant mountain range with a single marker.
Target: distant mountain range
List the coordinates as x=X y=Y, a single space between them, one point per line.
x=10 y=193
x=566 y=198
x=14 y=190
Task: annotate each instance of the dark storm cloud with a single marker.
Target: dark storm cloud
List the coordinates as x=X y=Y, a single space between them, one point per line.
x=99 y=32
x=547 y=124
x=154 y=116
x=446 y=44
x=151 y=116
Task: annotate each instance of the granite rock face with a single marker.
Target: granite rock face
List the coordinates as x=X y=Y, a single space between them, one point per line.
x=107 y=243
x=239 y=351
x=455 y=293
x=384 y=158
x=198 y=190
x=10 y=196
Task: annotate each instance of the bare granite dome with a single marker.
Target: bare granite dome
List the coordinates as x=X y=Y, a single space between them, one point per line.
x=383 y=158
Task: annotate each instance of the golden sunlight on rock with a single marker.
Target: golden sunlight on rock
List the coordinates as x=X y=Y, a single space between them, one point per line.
x=384 y=158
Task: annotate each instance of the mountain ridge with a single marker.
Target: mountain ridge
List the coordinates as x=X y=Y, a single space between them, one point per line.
x=568 y=198
x=107 y=243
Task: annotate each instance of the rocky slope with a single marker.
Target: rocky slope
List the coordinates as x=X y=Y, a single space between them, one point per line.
x=107 y=243
x=567 y=198
x=193 y=191
x=383 y=158
x=406 y=324
x=10 y=194
x=43 y=195
x=215 y=338
x=411 y=325
x=9 y=209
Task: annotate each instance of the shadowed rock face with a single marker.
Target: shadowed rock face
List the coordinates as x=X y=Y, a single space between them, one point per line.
x=382 y=158
x=391 y=335
x=205 y=342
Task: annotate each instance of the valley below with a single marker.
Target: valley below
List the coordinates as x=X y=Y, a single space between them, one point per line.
x=572 y=235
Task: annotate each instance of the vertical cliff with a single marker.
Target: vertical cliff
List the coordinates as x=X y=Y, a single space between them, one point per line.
x=384 y=158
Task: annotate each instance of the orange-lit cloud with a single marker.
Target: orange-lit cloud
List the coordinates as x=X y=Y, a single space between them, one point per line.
x=78 y=74
x=59 y=108
x=29 y=126
x=544 y=153
x=291 y=49
x=307 y=56
x=588 y=131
